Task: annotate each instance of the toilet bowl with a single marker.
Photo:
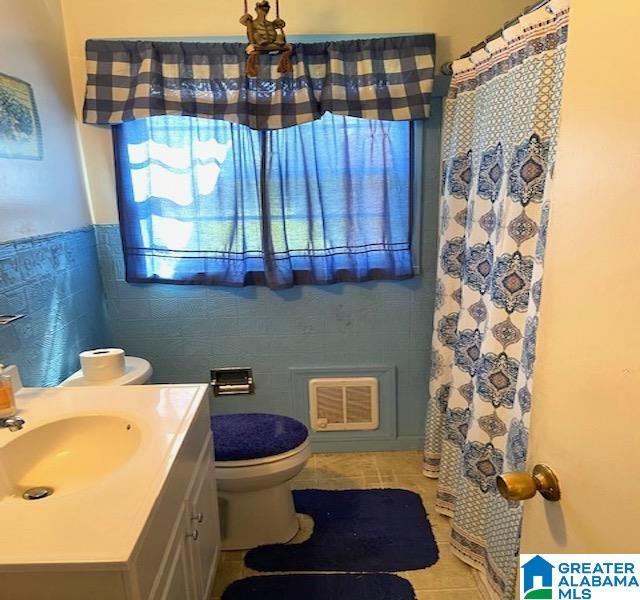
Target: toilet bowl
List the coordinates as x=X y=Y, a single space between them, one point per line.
x=256 y=456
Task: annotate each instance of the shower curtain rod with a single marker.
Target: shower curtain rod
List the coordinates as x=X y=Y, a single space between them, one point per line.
x=446 y=69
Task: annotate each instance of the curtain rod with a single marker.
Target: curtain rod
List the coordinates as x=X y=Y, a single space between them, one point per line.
x=446 y=67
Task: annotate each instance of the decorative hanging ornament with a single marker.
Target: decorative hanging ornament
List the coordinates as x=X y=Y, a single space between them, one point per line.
x=266 y=37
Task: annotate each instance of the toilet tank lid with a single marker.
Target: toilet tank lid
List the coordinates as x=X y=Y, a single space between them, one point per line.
x=136 y=371
x=247 y=436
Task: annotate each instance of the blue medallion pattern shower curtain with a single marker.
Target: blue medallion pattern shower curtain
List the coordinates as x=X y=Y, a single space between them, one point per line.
x=499 y=136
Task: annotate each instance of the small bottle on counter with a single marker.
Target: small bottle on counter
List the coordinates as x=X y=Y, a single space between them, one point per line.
x=7 y=397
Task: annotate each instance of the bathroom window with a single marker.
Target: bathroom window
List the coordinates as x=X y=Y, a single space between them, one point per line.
x=204 y=201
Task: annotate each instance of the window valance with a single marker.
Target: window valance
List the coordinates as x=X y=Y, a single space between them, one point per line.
x=386 y=79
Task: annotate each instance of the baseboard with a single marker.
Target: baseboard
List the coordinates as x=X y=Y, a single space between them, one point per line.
x=363 y=445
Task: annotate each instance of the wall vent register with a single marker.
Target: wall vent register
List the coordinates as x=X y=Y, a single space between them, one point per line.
x=344 y=404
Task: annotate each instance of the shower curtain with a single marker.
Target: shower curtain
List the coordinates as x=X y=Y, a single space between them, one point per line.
x=499 y=137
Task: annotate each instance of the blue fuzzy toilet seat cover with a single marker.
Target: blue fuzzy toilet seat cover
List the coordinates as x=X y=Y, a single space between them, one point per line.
x=255 y=435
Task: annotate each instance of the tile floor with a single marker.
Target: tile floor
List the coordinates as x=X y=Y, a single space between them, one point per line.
x=448 y=579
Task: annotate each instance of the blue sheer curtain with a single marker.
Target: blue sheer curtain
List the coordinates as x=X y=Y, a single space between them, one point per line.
x=209 y=202
x=189 y=200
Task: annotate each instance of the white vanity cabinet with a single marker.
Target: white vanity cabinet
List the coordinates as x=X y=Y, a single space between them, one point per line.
x=175 y=553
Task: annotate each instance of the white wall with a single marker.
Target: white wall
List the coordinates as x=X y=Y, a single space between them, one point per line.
x=38 y=197
x=457 y=23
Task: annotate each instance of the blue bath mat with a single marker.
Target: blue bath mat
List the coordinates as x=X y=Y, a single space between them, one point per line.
x=320 y=587
x=355 y=531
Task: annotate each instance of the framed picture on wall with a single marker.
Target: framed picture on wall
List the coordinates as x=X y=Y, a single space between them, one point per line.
x=20 y=132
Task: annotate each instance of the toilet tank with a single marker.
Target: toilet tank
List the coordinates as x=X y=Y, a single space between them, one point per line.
x=138 y=371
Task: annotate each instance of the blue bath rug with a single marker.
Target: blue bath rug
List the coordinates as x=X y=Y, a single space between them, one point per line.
x=355 y=531
x=320 y=587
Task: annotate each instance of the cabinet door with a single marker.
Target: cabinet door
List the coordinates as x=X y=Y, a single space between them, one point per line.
x=177 y=580
x=205 y=550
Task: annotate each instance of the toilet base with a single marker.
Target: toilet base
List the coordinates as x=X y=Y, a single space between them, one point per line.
x=257 y=517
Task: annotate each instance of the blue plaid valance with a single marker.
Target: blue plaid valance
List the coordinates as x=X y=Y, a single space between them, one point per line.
x=386 y=79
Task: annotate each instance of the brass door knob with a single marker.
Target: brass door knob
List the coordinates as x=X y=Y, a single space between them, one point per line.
x=519 y=485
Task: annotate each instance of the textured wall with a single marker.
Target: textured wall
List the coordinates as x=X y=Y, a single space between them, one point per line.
x=186 y=330
x=54 y=280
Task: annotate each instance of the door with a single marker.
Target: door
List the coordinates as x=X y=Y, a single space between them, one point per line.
x=585 y=420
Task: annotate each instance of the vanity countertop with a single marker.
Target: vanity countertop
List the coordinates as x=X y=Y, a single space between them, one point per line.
x=99 y=522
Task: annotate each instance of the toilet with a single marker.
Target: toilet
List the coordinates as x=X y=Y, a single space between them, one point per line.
x=256 y=456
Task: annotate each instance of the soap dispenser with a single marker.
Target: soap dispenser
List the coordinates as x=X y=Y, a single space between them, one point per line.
x=7 y=397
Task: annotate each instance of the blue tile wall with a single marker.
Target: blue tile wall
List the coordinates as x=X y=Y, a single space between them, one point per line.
x=54 y=280
x=187 y=330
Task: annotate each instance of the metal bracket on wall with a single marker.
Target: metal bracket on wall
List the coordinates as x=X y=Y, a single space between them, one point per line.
x=6 y=319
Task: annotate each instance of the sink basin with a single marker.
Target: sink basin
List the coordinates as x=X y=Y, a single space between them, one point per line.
x=106 y=452
x=67 y=455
